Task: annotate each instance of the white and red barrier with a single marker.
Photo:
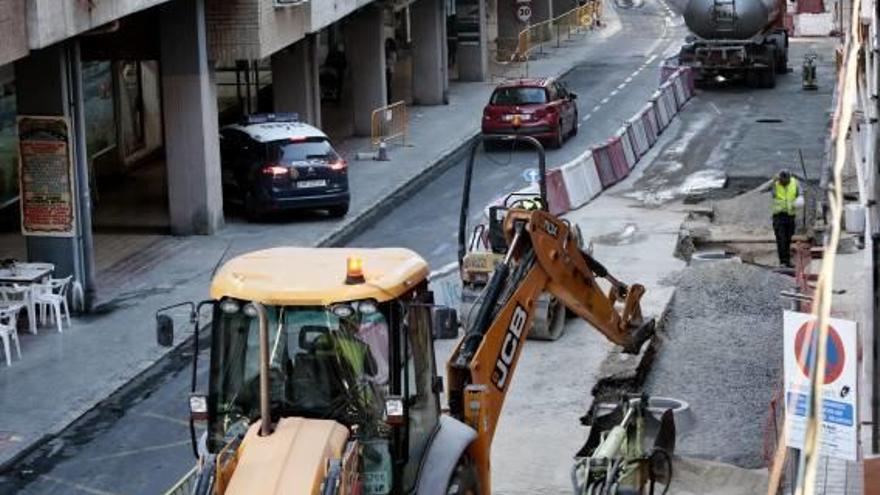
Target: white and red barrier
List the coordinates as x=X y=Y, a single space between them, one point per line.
x=660 y=111
x=681 y=96
x=649 y=118
x=668 y=96
x=628 y=152
x=577 y=182
x=592 y=173
x=638 y=134
x=618 y=158
x=557 y=195
x=688 y=75
x=604 y=166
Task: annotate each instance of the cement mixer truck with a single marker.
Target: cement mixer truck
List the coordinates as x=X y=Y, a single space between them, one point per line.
x=736 y=39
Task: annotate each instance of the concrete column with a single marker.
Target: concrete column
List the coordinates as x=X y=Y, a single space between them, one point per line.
x=429 y=77
x=189 y=92
x=562 y=6
x=365 y=53
x=295 y=83
x=48 y=83
x=473 y=47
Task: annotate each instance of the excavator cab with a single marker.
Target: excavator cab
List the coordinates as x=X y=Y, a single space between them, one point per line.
x=322 y=374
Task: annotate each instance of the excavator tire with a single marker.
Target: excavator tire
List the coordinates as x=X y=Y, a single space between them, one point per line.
x=464 y=479
x=549 y=320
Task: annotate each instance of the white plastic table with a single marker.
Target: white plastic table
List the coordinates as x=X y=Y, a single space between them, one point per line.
x=27 y=274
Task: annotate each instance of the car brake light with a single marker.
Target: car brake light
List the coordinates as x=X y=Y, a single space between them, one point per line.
x=540 y=113
x=298 y=139
x=338 y=165
x=275 y=170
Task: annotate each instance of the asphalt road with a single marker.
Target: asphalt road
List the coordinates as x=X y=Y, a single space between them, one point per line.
x=609 y=92
x=138 y=441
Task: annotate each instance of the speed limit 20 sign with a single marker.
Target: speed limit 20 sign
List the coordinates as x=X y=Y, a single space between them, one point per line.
x=523 y=10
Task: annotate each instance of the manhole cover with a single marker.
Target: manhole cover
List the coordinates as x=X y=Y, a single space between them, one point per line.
x=769 y=121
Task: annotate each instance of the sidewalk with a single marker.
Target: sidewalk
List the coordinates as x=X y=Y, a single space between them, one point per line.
x=61 y=376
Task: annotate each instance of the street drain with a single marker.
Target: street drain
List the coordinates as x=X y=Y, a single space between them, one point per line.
x=769 y=121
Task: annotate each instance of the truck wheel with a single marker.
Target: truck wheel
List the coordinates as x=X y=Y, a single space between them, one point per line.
x=559 y=138
x=753 y=78
x=464 y=479
x=769 y=74
x=782 y=64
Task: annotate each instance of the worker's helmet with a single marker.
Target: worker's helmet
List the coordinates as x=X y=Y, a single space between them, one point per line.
x=784 y=174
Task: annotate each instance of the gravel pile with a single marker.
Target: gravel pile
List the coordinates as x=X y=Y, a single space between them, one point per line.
x=750 y=211
x=722 y=353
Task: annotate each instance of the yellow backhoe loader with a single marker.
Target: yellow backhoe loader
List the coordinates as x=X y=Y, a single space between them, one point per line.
x=323 y=378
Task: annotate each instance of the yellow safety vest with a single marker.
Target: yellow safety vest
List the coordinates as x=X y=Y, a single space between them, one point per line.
x=784 y=197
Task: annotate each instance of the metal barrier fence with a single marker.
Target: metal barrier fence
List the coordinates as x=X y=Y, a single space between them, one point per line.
x=186 y=485
x=389 y=123
x=534 y=37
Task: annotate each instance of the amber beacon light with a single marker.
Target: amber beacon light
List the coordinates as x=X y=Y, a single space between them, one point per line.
x=354 y=270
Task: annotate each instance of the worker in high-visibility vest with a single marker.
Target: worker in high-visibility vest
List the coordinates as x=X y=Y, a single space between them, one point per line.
x=785 y=190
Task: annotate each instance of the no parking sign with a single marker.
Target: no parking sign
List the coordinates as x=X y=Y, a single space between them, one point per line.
x=839 y=429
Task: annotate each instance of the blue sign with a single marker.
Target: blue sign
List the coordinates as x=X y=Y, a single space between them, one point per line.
x=531 y=175
x=839 y=413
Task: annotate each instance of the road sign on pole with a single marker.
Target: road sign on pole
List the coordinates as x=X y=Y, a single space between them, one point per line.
x=839 y=429
x=523 y=10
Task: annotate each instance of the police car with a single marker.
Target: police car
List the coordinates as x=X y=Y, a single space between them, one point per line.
x=273 y=162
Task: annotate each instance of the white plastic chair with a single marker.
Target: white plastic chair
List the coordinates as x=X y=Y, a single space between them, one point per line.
x=53 y=294
x=8 y=318
x=16 y=297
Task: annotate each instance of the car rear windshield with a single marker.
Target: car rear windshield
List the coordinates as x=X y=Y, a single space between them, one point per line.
x=290 y=151
x=519 y=96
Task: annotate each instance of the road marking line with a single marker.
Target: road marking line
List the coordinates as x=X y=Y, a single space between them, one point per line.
x=444 y=270
x=651 y=59
x=711 y=104
x=614 y=93
x=596 y=108
x=164 y=418
x=587 y=117
x=604 y=101
x=630 y=78
x=151 y=448
x=77 y=486
x=621 y=85
x=635 y=72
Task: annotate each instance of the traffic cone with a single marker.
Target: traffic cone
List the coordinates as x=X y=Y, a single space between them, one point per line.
x=382 y=156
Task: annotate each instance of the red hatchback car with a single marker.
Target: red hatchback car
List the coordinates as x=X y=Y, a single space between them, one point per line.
x=543 y=108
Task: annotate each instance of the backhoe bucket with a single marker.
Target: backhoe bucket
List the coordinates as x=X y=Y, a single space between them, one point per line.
x=638 y=336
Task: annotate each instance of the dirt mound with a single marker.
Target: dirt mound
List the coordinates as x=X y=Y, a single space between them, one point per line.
x=722 y=353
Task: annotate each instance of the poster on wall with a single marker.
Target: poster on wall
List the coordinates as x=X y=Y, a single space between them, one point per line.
x=839 y=428
x=46 y=177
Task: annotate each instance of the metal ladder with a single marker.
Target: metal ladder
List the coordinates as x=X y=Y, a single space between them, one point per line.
x=724 y=15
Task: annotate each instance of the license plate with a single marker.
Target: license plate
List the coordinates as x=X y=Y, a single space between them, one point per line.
x=304 y=184
x=523 y=116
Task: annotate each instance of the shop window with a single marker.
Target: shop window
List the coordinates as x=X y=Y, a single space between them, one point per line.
x=98 y=103
x=8 y=145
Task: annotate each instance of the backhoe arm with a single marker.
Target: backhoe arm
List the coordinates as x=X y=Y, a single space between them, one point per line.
x=542 y=257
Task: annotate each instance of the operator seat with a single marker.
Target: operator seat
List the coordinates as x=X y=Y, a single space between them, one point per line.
x=314 y=380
